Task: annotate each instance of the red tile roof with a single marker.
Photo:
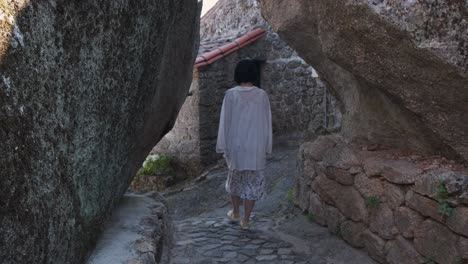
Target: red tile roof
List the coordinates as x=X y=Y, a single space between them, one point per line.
x=216 y=53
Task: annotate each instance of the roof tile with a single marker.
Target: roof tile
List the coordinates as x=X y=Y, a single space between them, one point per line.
x=212 y=51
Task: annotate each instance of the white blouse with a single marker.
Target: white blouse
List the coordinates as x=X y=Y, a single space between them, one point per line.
x=244 y=134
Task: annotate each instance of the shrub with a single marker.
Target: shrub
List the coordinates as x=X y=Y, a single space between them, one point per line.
x=155 y=164
x=442 y=196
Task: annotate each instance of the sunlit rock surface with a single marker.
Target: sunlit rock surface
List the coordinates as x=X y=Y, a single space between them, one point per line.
x=398 y=67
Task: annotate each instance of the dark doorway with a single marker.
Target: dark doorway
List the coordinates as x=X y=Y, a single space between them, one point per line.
x=259 y=64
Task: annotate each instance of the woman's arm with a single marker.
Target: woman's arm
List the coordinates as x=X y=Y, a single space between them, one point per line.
x=269 y=142
x=224 y=125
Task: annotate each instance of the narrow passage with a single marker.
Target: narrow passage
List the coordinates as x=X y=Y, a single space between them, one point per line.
x=279 y=232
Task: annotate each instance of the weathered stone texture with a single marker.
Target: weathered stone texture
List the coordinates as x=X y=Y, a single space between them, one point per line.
x=345 y=198
x=369 y=186
x=389 y=220
x=352 y=233
x=458 y=221
x=399 y=68
x=86 y=89
x=316 y=209
x=424 y=205
x=427 y=184
x=407 y=221
x=339 y=175
x=394 y=195
x=400 y=172
x=333 y=219
x=316 y=149
x=382 y=221
x=374 y=245
x=401 y=251
x=437 y=242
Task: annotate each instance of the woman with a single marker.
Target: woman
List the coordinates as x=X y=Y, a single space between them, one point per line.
x=245 y=137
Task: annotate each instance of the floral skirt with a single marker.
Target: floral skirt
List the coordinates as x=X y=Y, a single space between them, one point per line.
x=248 y=184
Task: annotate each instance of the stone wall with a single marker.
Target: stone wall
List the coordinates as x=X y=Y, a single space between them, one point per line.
x=399 y=206
x=300 y=102
x=87 y=88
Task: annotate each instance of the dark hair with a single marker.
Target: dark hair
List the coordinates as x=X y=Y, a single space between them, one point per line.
x=246 y=71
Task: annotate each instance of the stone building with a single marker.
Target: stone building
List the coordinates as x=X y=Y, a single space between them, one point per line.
x=300 y=103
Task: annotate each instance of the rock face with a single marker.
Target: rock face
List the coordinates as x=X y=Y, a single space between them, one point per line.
x=86 y=89
x=400 y=68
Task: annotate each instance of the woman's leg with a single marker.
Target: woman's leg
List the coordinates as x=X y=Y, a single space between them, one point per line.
x=235 y=204
x=248 y=207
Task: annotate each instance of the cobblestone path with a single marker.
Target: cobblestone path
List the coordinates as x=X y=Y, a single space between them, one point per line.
x=219 y=241
x=279 y=232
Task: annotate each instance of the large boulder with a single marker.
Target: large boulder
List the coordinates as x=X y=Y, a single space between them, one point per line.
x=87 y=88
x=399 y=68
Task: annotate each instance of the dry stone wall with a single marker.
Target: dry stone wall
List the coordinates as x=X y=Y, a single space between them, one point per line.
x=400 y=207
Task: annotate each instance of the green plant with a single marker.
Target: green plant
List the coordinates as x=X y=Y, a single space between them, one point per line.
x=373 y=201
x=155 y=164
x=445 y=209
x=442 y=196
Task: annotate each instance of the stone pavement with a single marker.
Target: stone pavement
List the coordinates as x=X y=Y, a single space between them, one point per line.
x=216 y=240
x=279 y=232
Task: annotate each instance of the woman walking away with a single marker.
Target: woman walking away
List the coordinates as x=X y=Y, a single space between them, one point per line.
x=245 y=137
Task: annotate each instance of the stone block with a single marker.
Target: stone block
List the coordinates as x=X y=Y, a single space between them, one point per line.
x=394 y=195
x=334 y=218
x=406 y=220
x=427 y=183
x=369 y=186
x=436 y=241
x=316 y=209
x=322 y=191
x=458 y=221
x=339 y=175
x=341 y=156
x=381 y=221
x=424 y=205
x=309 y=169
x=373 y=166
x=401 y=251
x=316 y=149
x=345 y=198
x=375 y=246
x=401 y=171
x=352 y=233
